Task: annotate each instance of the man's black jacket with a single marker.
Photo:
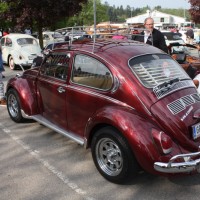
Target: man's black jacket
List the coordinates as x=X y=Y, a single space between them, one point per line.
x=158 y=39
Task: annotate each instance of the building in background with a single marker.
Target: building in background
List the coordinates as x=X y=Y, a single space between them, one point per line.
x=161 y=20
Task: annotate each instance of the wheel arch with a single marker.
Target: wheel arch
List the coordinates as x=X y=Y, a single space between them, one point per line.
x=8 y=59
x=27 y=102
x=135 y=129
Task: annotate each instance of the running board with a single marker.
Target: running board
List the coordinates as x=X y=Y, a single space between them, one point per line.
x=45 y=122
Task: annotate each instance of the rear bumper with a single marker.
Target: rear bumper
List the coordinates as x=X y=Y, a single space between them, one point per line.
x=188 y=165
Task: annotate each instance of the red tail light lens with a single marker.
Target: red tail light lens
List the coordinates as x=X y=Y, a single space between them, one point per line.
x=162 y=141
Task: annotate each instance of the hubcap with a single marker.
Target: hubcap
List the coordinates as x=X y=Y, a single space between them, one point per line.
x=13 y=105
x=109 y=156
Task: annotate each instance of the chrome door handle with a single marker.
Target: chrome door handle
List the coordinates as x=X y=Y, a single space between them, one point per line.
x=61 y=90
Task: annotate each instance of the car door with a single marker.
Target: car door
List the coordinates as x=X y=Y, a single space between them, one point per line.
x=51 y=85
x=6 y=46
x=90 y=85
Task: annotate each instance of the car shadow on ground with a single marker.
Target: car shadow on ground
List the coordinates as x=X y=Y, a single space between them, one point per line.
x=182 y=180
x=186 y=180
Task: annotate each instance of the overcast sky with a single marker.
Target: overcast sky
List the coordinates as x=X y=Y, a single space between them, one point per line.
x=151 y=3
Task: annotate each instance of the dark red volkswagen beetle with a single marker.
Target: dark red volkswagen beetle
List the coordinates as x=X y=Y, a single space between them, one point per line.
x=132 y=104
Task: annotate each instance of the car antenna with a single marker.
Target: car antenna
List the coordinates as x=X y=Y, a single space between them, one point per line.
x=94 y=37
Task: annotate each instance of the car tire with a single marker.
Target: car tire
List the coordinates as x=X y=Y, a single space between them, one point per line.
x=13 y=106
x=113 y=156
x=11 y=63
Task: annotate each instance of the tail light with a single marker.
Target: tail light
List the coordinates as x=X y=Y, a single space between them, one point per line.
x=162 y=141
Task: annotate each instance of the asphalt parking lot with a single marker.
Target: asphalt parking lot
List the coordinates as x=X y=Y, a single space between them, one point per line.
x=38 y=164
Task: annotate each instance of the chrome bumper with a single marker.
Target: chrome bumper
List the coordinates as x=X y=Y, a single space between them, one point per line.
x=188 y=165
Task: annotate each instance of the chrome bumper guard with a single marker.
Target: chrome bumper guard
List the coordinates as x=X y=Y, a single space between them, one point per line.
x=188 y=165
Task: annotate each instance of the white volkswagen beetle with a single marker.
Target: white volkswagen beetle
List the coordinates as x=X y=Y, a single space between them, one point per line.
x=19 y=49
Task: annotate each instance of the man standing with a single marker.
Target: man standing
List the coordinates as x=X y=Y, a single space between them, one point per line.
x=151 y=35
x=189 y=36
x=2 y=97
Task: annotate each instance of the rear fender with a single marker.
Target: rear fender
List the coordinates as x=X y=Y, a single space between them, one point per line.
x=136 y=130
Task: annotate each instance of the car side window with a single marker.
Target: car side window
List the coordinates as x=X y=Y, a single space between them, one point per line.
x=2 y=41
x=8 y=42
x=56 y=65
x=90 y=72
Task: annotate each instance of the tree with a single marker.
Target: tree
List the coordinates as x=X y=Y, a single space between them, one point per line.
x=86 y=16
x=3 y=9
x=41 y=13
x=195 y=10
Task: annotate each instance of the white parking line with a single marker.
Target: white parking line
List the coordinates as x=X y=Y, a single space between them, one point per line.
x=46 y=164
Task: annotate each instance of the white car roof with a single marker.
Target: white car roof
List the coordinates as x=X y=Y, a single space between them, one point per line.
x=18 y=35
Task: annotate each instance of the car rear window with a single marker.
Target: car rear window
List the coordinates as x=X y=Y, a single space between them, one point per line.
x=26 y=41
x=152 y=70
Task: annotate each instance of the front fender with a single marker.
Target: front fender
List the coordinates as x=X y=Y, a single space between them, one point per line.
x=134 y=127
x=27 y=94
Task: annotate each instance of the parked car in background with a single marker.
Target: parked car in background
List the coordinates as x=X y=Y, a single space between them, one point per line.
x=189 y=60
x=19 y=49
x=49 y=47
x=50 y=37
x=172 y=37
x=133 y=109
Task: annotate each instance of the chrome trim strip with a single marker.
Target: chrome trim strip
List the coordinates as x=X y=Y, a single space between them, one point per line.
x=101 y=96
x=175 y=87
x=24 y=115
x=45 y=122
x=41 y=78
x=188 y=165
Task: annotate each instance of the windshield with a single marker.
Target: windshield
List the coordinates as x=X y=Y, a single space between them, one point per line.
x=153 y=70
x=26 y=41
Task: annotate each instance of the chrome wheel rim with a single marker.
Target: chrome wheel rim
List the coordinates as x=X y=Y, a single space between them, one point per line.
x=109 y=157
x=13 y=105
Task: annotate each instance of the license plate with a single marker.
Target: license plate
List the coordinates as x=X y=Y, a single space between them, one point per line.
x=196 y=131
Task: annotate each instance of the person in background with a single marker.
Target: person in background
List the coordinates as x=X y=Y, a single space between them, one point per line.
x=5 y=32
x=2 y=96
x=189 y=36
x=151 y=35
x=28 y=31
x=1 y=34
